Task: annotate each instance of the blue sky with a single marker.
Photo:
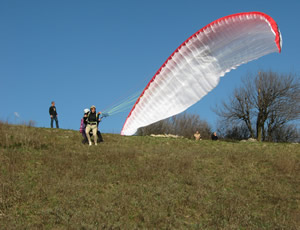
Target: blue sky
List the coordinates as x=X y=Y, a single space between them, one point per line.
x=96 y=52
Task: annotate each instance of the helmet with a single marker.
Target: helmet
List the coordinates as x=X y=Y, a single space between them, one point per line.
x=86 y=110
x=93 y=106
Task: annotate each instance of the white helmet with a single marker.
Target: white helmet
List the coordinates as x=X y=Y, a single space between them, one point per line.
x=86 y=110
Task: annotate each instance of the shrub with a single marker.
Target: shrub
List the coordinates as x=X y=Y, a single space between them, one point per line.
x=182 y=125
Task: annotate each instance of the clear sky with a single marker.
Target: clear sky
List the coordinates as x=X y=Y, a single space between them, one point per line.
x=96 y=52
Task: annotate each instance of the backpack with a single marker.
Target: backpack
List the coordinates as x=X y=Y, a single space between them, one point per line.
x=82 y=126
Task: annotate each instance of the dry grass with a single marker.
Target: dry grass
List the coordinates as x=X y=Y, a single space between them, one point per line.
x=49 y=180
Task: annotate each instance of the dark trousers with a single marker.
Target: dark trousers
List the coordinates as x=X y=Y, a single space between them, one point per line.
x=56 y=122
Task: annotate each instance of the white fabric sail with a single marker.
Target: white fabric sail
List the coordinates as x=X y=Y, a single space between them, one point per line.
x=196 y=66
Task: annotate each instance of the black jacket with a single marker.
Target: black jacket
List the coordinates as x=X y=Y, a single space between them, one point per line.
x=214 y=138
x=52 y=111
x=92 y=118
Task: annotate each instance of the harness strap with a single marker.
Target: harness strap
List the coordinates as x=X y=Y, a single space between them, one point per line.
x=92 y=122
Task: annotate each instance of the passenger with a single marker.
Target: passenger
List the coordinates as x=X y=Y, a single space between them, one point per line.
x=83 y=126
x=92 y=124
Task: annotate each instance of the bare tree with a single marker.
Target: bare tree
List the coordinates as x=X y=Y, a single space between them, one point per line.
x=286 y=133
x=229 y=131
x=239 y=108
x=268 y=100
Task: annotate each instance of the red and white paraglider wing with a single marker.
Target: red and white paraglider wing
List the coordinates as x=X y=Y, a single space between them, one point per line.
x=196 y=66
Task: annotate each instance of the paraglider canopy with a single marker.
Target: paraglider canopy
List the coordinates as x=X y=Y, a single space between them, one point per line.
x=196 y=66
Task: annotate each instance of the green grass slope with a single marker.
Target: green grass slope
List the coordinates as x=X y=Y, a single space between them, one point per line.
x=49 y=180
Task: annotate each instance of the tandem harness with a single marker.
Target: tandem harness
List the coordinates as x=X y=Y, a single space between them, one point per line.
x=92 y=119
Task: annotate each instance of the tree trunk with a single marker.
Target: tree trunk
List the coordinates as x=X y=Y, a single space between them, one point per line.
x=259 y=126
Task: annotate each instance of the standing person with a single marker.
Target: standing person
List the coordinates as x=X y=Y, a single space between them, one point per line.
x=92 y=124
x=197 y=136
x=53 y=114
x=214 y=136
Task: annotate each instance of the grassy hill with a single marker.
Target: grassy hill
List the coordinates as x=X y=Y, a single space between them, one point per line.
x=49 y=180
